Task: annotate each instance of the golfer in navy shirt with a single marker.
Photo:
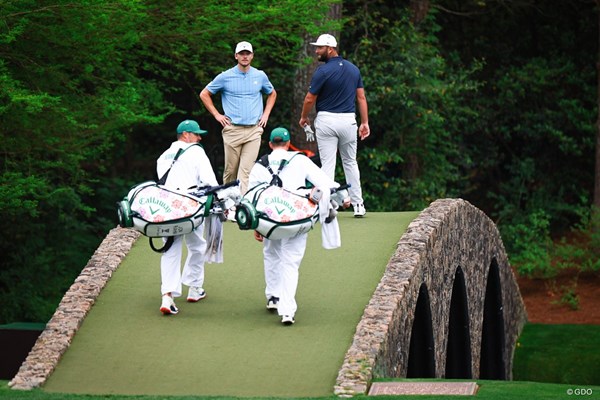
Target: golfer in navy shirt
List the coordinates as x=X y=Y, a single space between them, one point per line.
x=335 y=89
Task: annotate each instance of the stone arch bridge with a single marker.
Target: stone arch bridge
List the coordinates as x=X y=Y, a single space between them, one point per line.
x=448 y=306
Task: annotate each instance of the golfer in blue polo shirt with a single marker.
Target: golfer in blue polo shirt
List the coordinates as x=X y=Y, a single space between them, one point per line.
x=244 y=119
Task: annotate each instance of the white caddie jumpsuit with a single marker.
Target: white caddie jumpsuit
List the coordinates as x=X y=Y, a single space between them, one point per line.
x=282 y=257
x=192 y=168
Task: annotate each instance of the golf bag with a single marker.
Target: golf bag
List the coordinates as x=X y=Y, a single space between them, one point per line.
x=156 y=211
x=278 y=213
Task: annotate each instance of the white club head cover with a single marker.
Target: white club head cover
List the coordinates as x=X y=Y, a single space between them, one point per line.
x=231 y=193
x=340 y=196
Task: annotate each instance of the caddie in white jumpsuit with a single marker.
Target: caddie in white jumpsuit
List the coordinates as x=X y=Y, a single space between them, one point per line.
x=192 y=168
x=282 y=257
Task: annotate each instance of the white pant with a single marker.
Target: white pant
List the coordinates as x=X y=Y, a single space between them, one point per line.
x=339 y=132
x=193 y=271
x=282 y=262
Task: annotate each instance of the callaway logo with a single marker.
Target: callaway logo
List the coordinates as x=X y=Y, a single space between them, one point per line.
x=153 y=211
x=157 y=202
x=278 y=201
x=279 y=211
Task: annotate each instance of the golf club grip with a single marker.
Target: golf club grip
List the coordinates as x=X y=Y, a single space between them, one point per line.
x=212 y=189
x=228 y=184
x=341 y=187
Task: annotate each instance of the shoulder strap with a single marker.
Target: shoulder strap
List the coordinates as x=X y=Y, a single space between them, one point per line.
x=264 y=161
x=276 y=180
x=163 y=178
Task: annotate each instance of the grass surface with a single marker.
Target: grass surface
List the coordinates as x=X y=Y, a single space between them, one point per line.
x=559 y=354
x=228 y=344
x=488 y=390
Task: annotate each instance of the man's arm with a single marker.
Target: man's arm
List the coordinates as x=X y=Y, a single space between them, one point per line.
x=309 y=101
x=363 y=110
x=271 y=97
x=206 y=97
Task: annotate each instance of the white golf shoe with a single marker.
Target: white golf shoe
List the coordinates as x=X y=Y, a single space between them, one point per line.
x=195 y=294
x=168 y=306
x=359 y=210
x=272 y=303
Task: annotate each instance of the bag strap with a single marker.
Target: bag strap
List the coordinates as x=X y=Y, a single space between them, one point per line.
x=167 y=245
x=276 y=180
x=163 y=178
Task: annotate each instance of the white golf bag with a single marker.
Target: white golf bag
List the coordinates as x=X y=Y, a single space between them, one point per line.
x=277 y=213
x=156 y=211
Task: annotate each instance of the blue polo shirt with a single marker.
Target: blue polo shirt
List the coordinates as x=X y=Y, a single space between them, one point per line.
x=241 y=94
x=335 y=84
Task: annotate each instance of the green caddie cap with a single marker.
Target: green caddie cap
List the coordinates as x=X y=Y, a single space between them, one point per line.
x=189 y=125
x=280 y=133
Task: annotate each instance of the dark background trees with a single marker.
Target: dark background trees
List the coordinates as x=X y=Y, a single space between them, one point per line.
x=494 y=102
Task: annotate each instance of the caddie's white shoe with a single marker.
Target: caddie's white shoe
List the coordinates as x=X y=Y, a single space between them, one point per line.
x=359 y=210
x=195 y=293
x=168 y=305
x=272 y=303
x=287 y=319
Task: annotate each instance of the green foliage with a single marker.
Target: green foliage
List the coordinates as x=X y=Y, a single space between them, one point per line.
x=498 y=108
x=415 y=106
x=532 y=144
x=569 y=297
x=382 y=188
x=529 y=243
x=581 y=250
x=77 y=80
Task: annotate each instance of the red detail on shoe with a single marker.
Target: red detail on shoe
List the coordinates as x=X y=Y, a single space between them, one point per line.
x=191 y=300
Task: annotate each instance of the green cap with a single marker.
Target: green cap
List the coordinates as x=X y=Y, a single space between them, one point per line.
x=190 y=125
x=280 y=133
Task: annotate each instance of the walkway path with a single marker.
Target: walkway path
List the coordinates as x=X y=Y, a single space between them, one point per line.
x=228 y=344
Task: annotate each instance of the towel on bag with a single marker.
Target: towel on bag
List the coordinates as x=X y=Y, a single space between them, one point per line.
x=213 y=233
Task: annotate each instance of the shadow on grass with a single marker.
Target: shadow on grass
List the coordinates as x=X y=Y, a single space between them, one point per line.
x=558 y=354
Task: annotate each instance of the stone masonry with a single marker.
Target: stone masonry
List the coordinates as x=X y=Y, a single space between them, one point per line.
x=450 y=233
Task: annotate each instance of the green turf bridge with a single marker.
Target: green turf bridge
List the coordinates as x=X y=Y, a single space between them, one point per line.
x=417 y=295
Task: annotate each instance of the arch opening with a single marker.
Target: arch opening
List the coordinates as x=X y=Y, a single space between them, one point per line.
x=492 y=364
x=458 y=348
x=421 y=357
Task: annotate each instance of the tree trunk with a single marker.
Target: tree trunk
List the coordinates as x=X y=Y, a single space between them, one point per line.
x=301 y=82
x=302 y=79
x=419 y=10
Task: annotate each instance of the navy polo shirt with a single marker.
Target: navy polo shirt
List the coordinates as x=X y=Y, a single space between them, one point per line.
x=335 y=84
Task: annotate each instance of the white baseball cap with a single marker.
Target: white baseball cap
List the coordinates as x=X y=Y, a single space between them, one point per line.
x=241 y=46
x=325 y=40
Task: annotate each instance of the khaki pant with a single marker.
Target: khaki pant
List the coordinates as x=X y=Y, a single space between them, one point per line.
x=241 y=145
